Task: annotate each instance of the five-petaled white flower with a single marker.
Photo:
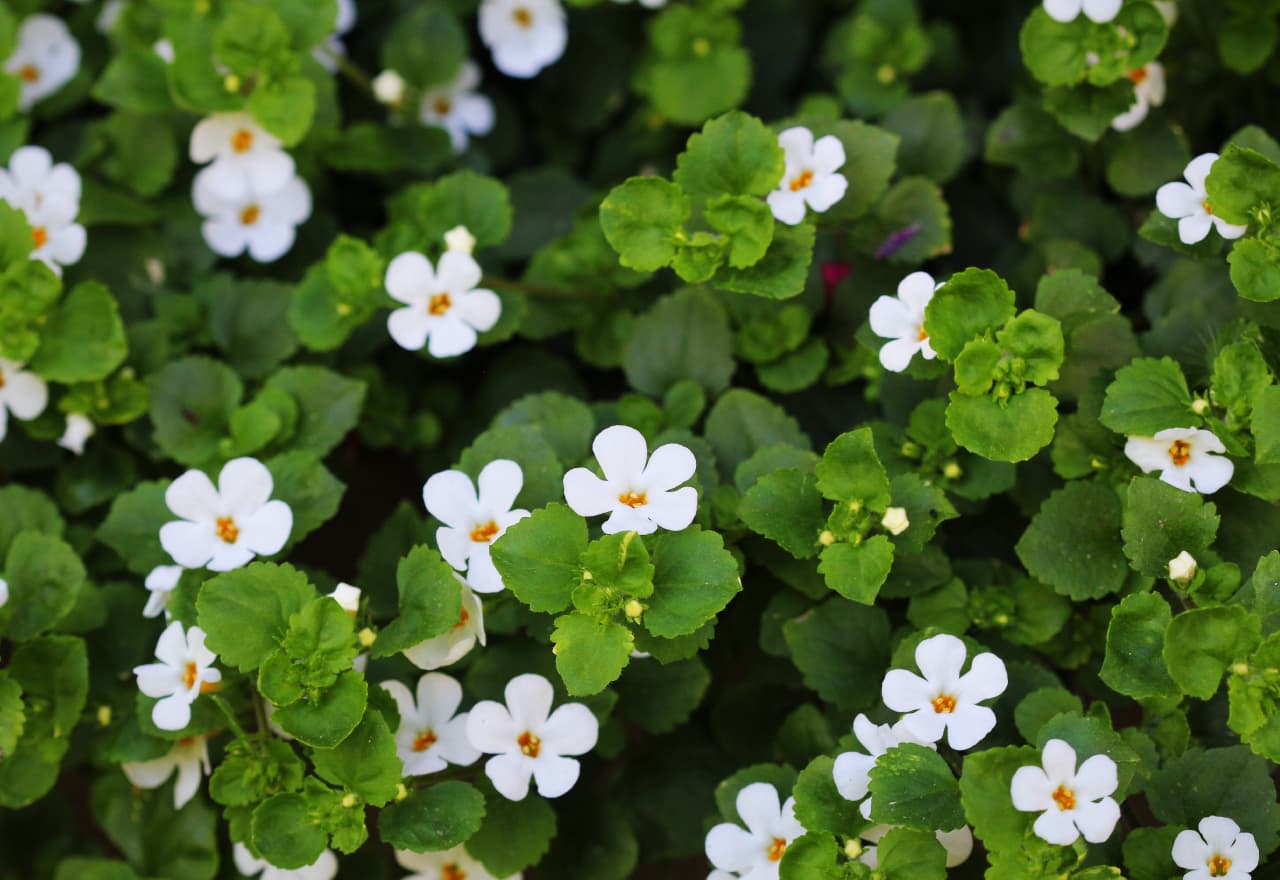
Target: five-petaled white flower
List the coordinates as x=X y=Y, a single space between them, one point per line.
x=185 y=671
x=22 y=393
x=1071 y=802
x=944 y=701
x=189 y=757
x=810 y=177
x=264 y=223
x=958 y=844
x=472 y=522
x=79 y=428
x=444 y=308
x=1149 y=91
x=457 y=108
x=638 y=490
x=452 y=646
x=452 y=864
x=852 y=770
x=223 y=528
x=246 y=158
x=1220 y=850
x=431 y=736
x=523 y=35
x=1097 y=10
x=1184 y=457
x=527 y=739
x=46 y=58
x=1188 y=203
x=901 y=319
x=323 y=868
x=161 y=582
x=756 y=850
x=49 y=196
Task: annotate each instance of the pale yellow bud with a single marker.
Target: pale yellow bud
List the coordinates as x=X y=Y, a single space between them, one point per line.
x=633 y=609
x=1182 y=568
x=460 y=239
x=104 y=715
x=389 y=88
x=895 y=520
x=366 y=637
x=827 y=538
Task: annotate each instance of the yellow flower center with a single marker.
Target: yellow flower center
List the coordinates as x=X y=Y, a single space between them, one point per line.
x=425 y=740
x=484 y=534
x=1064 y=797
x=40 y=236
x=1138 y=77
x=921 y=336
x=452 y=872
x=250 y=215
x=801 y=180
x=29 y=73
x=242 y=141
x=439 y=304
x=1219 y=866
x=189 y=677
x=226 y=530
x=522 y=17
x=776 y=849
x=634 y=499
x=943 y=704
x=442 y=106
x=462 y=621
x=1208 y=210
x=529 y=744
x=1180 y=452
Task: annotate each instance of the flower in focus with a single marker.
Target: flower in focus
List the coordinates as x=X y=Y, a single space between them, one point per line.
x=1184 y=457
x=46 y=58
x=246 y=158
x=1148 y=90
x=184 y=672
x=1221 y=849
x=527 y=739
x=431 y=736
x=49 y=196
x=22 y=393
x=810 y=177
x=944 y=701
x=224 y=528
x=852 y=770
x=756 y=850
x=957 y=843
x=1188 y=203
x=323 y=868
x=1071 y=802
x=523 y=35
x=78 y=430
x=452 y=864
x=263 y=223
x=901 y=319
x=161 y=581
x=457 y=108
x=444 y=309
x=189 y=757
x=452 y=646
x=638 y=490
x=472 y=522
x=1096 y=10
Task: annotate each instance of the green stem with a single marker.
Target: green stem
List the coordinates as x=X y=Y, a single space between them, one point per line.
x=232 y=722
x=351 y=71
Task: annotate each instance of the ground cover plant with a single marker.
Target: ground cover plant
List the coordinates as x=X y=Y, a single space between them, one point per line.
x=802 y=439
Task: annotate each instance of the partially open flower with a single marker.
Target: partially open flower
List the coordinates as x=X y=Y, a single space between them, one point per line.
x=1219 y=850
x=431 y=736
x=323 y=868
x=161 y=581
x=184 y=672
x=943 y=701
x=452 y=646
x=1185 y=458
x=810 y=177
x=46 y=58
x=246 y=158
x=444 y=309
x=389 y=88
x=638 y=490
x=22 y=393
x=523 y=35
x=1071 y=802
x=189 y=757
x=263 y=223
x=1149 y=91
x=756 y=850
x=895 y=520
x=77 y=432
x=460 y=239
x=1188 y=203
x=456 y=107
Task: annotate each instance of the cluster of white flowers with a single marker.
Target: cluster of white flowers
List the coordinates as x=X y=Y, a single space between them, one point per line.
x=249 y=195
x=48 y=195
x=45 y=59
x=901 y=319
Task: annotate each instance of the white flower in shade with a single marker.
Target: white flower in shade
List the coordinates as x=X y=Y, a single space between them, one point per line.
x=58 y=240
x=810 y=178
x=452 y=646
x=49 y=196
x=473 y=521
x=958 y=844
x=389 y=88
x=638 y=490
x=1188 y=203
x=1071 y=802
x=457 y=108
x=852 y=770
x=189 y=757
x=22 y=393
x=523 y=35
x=345 y=21
x=184 y=672
x=1149 y=91
x=161 y=582
x=224 y=528
x=265 y=224
x=4 y=592
x=460 y=239
x=527 y=739
x=444 y=309
x=1184 y=457
x=246 y=158
x=431 y=736
x=452 y=864
x=756 y=850
x=77 y=432
x=323 y=868
x=1096 y=10
x=944 y=701
x=901 y=319
x=46 y=58
x=1182 y=568
x=1221 y=849
x=347 y=597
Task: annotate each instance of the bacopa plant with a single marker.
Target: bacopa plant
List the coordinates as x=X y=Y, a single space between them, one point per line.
x=727 y=439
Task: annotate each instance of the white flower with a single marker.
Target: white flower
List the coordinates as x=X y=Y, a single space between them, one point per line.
x=161 y=581
x=638 y=490
x=4 y=592
x=457 y=108
x=895 y=520
x=472 y=522
x=1097 y=10
x=389 y=88
x=901 y=319
x=264 y=223
x=756 y=850
x=189 y=757
x=527 y=739
x=810 y=176
x=246 y=158
x=1149 y=91
x=1188 y=203
x=944 y=701
x=852 y=770
x=1184 y=457
x=1221 y=849
x=452 y=864
x=49 y=196
x=323 y=868
x=444 y=308
x=77 y=432
x=957 y=843
x=46 y=58
x=523 y=35
x=452 y=646
x=1073 y=802
x=347 y=597
x=460 y=239
x=1182 y=568
x=21 y=393
x=431 y=736
x=224 y=528
x=185 y=671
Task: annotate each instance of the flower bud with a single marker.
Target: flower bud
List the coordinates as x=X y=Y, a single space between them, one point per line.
x=460 y=239
x=1199 y=405
x=367 y=637
x=952 y=471
x=633 y=609
x=827 y=538
x=895 y=520
x=389 y=88
x=1182 y=568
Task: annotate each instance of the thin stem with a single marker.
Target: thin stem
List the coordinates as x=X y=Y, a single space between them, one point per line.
x=232 y=722
x=350 y=70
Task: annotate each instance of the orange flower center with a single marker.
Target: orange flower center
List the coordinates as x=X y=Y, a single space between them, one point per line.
x=1219 y=866
x=1064 y=797
x=484 y=534
x=943 y=704
x=462 y=620
x=242 y=141
x=801 y=180
x=189 y=677
x=529 y=744
x=250 y=215
x=40 y=236
x=227 y=530
x=776 y=849
x=443 y=106
x=425 y=740
x=452 y=872
x=634 y=499
x=1208 y=210
x=921 y=335
x=29 y=73
x=439 y=304
x=522 y=17
x=1180 y=452
x=1138 y=77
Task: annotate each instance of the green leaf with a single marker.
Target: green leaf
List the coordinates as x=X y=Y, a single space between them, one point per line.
x=249 y=325
x=1073 y=542
x=734 y=154
x=1086 y=111
x=819 y=805
x=514 y=835
x=1240 y=373
x=1266 y=592
x=850 y=470
x=1013 y=429
x=425 y=212
x=971 y=303
x=328 y=720
x=23 y=509
x=1161 y=521
x=329 y=404
x=742 y=422
x=659 y=697
x=1147 y=396
x=642 y=219
x=1218 y=782
x=53 y=673
x=933 y=140
x=83 y=338
x=192 y=401
x=364 y=763
x=435 y=818
x=590 y=653
x=134 y=79
x=984 y=793
x=1255 y=269
x=781 y=273
x=566 y=423
x=1241 y=181
x=430 y=602
x=286 y=833
x=684 y=336
x=786 y=507
x=426 y=44
x=45 y=576
x=77 y=868
x=749 y=224
x=694 y=577
x=1040 y=706
x=312 y=492
x=538 y=557
x=904 y=854
x=1135 y=638
x=320 y=641
x=838 y=646
x=132 y=526
x=696 y=66
x=13 y=716
x=1055 y=52
x=912 y=786
x=246 y=612
x=858 y=572
x=1201 y=643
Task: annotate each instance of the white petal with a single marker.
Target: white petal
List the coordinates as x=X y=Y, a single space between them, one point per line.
x=670 y=465
x=1055 y=826
x=1102 y=10
x=788 y=207
x=244 y=485
x=172 y=713
x=455 y=546
x=627 y=519
x=891 y=318
x=510 y=774
x=1148 y=453
x=1194 y=229
x=491 y=729
x=30 y=166
x=403 y=700
x=483 y=576
x=269 y=242
x=673 y=511
x=1062 y=10
x=1096 y=778
x=986 y=678
x=1218 y=832
x=149 y=774
x=1059 y=761
x=957 y=843
x=1245 y=853
x=967 y=725
x=457 y=273
x=904 y=691
x=759 y=807
x=852 y=774
x=587 y=494
x=500 y=481
x=528 y=700
x=1190 y=851
x=479 y=308
x=476 y=113
x=270 y=171
x=940 y=658
x=25 y=394
x=187 y=783
x=622 y=453
x=797 y=144
x=190 y=544
x=225 y=238
x=410 y=279
x=450 y=497
x=730 y=848
x=192 y=496
x=1097 y=820
x=1197 y=171
x=409 y=327
x=555 y=775
x=1176 y=200
x=229 y=556
x=825 y=191
x=1229 y=231
x=450 y=336
x=1031 y=790
x=438 y=697
x=896 y=355
x=572 y=729
x=828 y=155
